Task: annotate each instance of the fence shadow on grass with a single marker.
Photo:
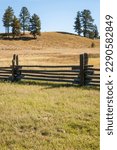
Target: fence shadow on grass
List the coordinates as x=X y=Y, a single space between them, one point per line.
x=51 y=85
x=46 y=84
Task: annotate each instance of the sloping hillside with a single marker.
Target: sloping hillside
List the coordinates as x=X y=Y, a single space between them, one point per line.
x=50 y=40
x=50 y=47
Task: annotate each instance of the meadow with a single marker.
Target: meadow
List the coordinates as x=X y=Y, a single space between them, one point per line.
x=45 y=115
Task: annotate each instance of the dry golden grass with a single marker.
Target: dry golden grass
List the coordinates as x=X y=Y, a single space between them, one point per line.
x=50 y=40
x=47 y=116
x=50 y=48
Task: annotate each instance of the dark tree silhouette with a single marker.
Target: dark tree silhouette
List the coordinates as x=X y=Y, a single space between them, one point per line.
x=8 y=18
x=24 y=19
x=15 y=27
x=35 y=25
x=87 y=22
x=77 y=23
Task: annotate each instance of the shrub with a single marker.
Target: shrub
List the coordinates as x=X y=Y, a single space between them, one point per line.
x=92 y=45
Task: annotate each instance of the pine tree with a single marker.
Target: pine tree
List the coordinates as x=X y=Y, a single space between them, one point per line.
x=15 y=27
x=96 y=33
x=77 y=23
x=7 y=18
x=91 y=34
x=35 y=25
x=24 y=19
x=87 y=22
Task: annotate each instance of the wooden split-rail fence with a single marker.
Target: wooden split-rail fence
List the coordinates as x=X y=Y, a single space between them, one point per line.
x=82 y=74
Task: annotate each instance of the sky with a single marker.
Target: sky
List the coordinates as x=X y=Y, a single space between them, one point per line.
x=55 y=15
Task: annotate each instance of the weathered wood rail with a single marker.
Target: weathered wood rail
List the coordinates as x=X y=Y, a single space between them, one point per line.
x=83 y=74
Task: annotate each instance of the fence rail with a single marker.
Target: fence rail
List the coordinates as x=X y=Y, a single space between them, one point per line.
x=83 y=74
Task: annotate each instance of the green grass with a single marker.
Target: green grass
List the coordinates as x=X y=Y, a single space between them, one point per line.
x=40 y=116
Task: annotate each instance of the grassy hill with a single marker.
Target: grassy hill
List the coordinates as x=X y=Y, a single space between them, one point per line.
x=51 y=40
x=49 y=48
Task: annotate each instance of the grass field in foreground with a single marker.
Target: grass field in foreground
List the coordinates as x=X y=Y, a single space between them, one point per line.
x=41 y=116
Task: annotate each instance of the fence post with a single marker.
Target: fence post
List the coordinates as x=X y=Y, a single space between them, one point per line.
x=18 y=72
x=13 y=68
x=14 y=56
x=83 y=63
x=85 y=67
x=81 y=69
x=17 y=60
x=85 y=59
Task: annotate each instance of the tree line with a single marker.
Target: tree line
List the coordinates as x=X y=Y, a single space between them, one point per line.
x=84 y=24
x=24 y=23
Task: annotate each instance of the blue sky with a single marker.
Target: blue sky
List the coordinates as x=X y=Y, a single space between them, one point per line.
x=55 y=15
